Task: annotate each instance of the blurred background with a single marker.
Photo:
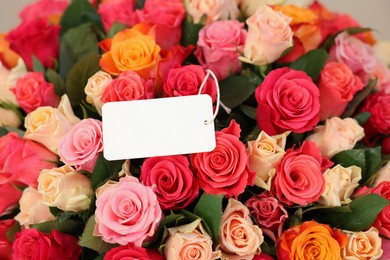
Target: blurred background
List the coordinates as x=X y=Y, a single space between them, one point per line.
x=374 y=14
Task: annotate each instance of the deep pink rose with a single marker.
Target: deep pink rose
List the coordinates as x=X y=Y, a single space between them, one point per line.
x=122 y=11
x=64 y=246
x=52 y=9
x=263 y=256
x=218 y=47
x=5 y=244
x=298 y=178
x=386 y=248
x=32 y=38
x=81 y=146
x=9 y=198
x=130 y=251
x=127 y=212
x=30 y=244
x=269 y=214
x=386 y=145
x=287 y=100
x=337 y=85
x=382 y=222
x=32 y=91
x=14 y=150
x=224 y=170
x=173 y=181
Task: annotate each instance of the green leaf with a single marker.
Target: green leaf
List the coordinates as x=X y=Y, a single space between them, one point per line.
x=100 y=257
x=362 y=117
x=235 y=90
x=330 y=41
x=3 y=131
x=117 y=27
x=59 y=84
x=357 y=216
x=55 y=211
x=311 y=63
x=209 y=207
x=78 y=77
x=12 y=231
x=139 y=4
x=37 y=65
x=249 y=111
x=88 y=240
x=190 y=31
x=104 y=170
x=69 y=226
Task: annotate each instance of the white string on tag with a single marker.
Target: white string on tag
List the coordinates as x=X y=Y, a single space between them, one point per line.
x=228 y=110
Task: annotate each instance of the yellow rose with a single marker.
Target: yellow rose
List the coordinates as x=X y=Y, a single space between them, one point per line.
x=363 y=245
x=95 y=88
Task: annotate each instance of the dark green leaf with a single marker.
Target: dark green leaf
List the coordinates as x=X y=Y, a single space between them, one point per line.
x=3 y=131
x=330 y=41
x=117 y=27
x=189 y=33
x=16 y=130
x=55 y=211
x=67 y=215
x=104 y=170
x=311 y=63
x=100 y=257
x=12 y=231
x=362 y=117
x=235 y=90
x=37 y=65
x=139 y=4
x=69 y=226
x=59 y=84
x=249 y=111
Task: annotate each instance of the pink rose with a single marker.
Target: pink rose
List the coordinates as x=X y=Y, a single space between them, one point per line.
x=337 y=85
x=299 y=177
x=32 y=91
x=52 y=9
x=269 y=214
x=382 y=222
x=219 y=45
x=82 y=144
x=9 y=198
x=5 y=244
x=287 y=100
x=386 y=248
x=224 y=170
x=31 y=38
x=382 y=73
x=118 y=11
x=175 y=185
x=130 y=251
x=127 y=212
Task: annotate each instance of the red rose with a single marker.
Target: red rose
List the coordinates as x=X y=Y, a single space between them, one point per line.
x=386 y=146
x=121 y=11
x=5 y=244
x=175 y=185
x=225 y=169
x=298 y=178
x=130 y=251
x=32 y=91
x=263 y=256
x=30 y=244
x=9 y=198
x=382 y=222
x=64 y=246
x=287 y=100
x=32 y=38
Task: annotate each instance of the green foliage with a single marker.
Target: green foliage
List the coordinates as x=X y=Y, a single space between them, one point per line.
x=59 y=84
x=12 y=231
x=117 y=27
x=362 y=117
x=311 y=63
x=359 y=98
x=70 y=226
x=104 y=170
x=37 y=65
x=235 y=90
x=249 y=111
x=139 y=4
x=190 y=30
x=3 y=131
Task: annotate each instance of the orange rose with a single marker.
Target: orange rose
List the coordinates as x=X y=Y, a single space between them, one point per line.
x=8 y=57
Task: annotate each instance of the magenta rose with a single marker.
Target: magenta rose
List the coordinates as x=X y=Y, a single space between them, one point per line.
x=173 y=181
x=287 y=100
x=130 y=251
x=81 y=146
x=32 y=91
x=121 y=11
x=52 y=9
x=224 y=170
x=5 y=244
x=382 y=222
x=127 y=212
x=31 y=244
x=32 y=38
x=298 y=178
x=218 y=47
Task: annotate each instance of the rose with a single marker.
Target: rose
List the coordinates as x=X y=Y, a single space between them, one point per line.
x=269 y=214
x=386 y=248
x=300 y=3
x=8 y=80
x=382 y=221
x=127 y=212
x=64 y=188
x=64 y=246
x=249 y=7
x=337 y=86
x=47 y=125
x=269 y=35
x=299 y=177
x=122 y=11
x=264 y=154
x=9 y=198
x=382 y=175
x=311 y=240
x=287 y=100
x=130 y=251
x=225 y=169
x=9 y=118
x=95 y=87
x=237 y=234
x=32 y=91
x=218 y=47
x=214 y=10
x=344 y=133
x=382 y=52
x=8 y=57
x=32 y=209
x=52 y=9
x=173 y=181
x=363 y=245
x=386 y=145
x=382 y=73
x=31 y=38
x=82 y=144
x=186 y=81
x=190 y=241
x=5 y=244
x=340 y=184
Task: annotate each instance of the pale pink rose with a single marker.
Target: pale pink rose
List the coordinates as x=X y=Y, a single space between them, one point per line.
x=269 y=35
x=32 y=209
x=95 y=88
x=264 y=155
x=121 y=11
x=127 y=212
x=344 y=133
x=81 y=146
x=249 y=7
x=238 y=236
x=190 y=241
x=218 y=47
x=382 y=73
x=213 y=9
x=382 y=175
x=363 y=245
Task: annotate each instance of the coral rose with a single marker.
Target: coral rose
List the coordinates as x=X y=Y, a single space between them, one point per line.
x=363 y=245
x=95 y=88
x=9 y=198
x=213 y=9
x=382 y=222
x=130 y=251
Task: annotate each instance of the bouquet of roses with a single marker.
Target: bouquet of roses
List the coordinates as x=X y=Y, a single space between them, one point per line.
x=300 y=167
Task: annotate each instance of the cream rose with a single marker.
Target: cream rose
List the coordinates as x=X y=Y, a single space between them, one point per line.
x=95 y=88
x=363 y=245
x=213 y=9
x=190 y=241
x=8 y=80
x=340 y=183
x=32 y=209
x=344 y=133
x=65 y=189
x=382 y=52
x=47 y=125
x=382 y=175
x=264 y=154
x=249 y=7
x=9 y=118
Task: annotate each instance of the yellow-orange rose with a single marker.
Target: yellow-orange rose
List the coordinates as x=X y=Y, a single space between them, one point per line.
x=363 y=245
x=95 y=87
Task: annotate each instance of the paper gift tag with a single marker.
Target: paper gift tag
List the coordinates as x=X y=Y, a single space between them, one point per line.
x=157 y=127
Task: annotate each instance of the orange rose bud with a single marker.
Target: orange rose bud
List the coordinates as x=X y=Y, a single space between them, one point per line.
x=8 y=57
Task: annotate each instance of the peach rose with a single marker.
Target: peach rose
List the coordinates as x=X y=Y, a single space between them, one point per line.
x=190 y=241
x=65 y=189
x=363 y=245
x=249 y=7
x=9 y=118
x=32 y=209
x=340 y=184
x=47 y=125
x=264 y=154
x=95 y=88
x=213 y=9
x=344 y=133
x=382 y=175
x=382 y=52
x=269 y=35
x=238 y=236
x=382 y=73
